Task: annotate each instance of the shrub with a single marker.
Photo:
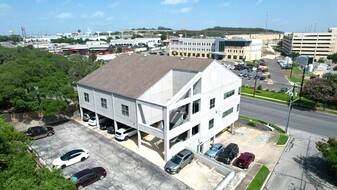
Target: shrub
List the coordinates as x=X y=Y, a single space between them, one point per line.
x=251 y=123
x=269 y=76
x=259 y=87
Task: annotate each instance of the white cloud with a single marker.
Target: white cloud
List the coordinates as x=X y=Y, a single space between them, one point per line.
x=5 y=9
x=174 y=2
x=114 y=4
x=259 y=1
x=64 y=15
x=110 y=18
x=185 y=9
x=225 y=4
x=98 y=14
x=40 y=1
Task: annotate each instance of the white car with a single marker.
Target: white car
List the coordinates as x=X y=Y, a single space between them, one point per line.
x=71 y=157
x=93 y=121
x=124 y=134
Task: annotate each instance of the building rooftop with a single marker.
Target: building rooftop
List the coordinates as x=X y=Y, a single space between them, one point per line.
x=131 y=75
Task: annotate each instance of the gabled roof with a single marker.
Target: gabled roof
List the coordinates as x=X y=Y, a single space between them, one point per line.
x=132 y=75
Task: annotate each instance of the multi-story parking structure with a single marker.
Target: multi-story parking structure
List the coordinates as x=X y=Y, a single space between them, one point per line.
x=315 y=45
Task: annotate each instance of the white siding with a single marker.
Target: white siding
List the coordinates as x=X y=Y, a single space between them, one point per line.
x=127 y=120
x=87 y=105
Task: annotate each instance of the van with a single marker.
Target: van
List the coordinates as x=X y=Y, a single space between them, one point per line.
x=228 y=154
x=124 y=134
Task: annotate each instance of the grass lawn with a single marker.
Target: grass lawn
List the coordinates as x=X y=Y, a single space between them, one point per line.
x=282 y=140
x=259 y=179
x=264 y=93
x=295 y=79
x=297 y=70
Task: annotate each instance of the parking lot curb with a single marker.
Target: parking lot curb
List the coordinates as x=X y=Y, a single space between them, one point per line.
x=39 y=161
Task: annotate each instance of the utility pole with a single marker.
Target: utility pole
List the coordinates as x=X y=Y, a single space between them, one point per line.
x=257 y=69
x=304 y=68
x=290 y=106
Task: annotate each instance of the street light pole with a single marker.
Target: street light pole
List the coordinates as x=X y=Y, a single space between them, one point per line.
x=290 y=106
x=257 y=68
x=304 y=68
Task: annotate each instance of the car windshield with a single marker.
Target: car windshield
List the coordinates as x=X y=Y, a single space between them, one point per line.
x=73 y=178
x=45 y=128
x=65 y=157
x=240 y=161
x=214 y=148
x=176 y=160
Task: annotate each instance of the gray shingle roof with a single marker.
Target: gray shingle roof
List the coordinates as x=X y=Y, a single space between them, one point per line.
x=132 y=75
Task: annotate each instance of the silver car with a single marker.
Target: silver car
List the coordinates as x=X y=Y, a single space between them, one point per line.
x=215 y=150
x=179 y=161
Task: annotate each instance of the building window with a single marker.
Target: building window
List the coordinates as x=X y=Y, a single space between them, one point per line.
x=224 y=114
x=86 y=97
x=125 y=110
x=238 y=107
x=195 y=130
x=229 y=57
x=228 y=94
x=211 y=124
x=196 y=106
x=103 y=103
x=211 y=103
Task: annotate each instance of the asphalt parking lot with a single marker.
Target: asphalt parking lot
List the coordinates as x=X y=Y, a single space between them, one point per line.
x=276 y=82
x=196 y=175
x=261 y=143
x=125 y=169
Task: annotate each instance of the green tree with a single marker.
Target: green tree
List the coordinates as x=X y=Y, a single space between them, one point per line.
x=19 y=170
x=329 y=150
x=331 y=77
x=333 y=57
x=319 y=90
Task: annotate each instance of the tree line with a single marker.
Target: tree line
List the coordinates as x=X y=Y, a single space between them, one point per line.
x=36 y=80
x=18 y=169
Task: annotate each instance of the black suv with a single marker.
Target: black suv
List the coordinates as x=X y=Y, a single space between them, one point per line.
x=39 y=132
x=228 y=154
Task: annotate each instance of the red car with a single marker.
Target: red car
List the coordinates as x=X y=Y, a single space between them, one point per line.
x=245 y=159
x=88 y=176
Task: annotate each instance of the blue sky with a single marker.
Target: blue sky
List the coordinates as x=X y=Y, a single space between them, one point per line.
x=57 y=16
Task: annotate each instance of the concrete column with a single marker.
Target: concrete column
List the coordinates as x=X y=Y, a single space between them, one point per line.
x=81 y=112
x=139 y=134
x=113 y=111
x=166 y=120
x=232 y=128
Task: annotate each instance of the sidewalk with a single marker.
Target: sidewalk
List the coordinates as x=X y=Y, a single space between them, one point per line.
x=249 y=177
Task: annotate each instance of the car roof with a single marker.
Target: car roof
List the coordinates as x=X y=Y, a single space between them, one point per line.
x=35 y=127
x=217 y=145
x=75 y=151
x=245 y=155
x=82 y=173
x=184 y=153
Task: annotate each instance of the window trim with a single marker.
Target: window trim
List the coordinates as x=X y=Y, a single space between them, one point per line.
x=86 y=97
x=125 y=110
x=104 y=103
x=211 y=122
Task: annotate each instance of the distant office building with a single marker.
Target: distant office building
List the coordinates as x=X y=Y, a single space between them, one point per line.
x=316 y=45
x=268 y=39
x=217 y=48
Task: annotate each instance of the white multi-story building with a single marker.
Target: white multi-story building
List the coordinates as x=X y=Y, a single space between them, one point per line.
x=217 y=48
x=183 y=101
x=315 y=45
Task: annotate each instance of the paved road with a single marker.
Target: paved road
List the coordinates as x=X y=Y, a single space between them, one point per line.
x=309 y=121
x=125 y=169
x=301 y=166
